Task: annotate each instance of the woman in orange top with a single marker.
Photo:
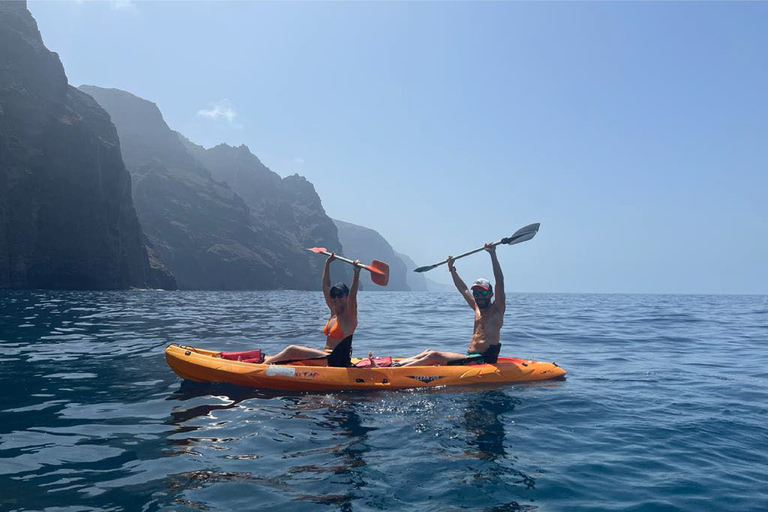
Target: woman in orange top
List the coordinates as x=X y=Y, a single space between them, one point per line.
x=342 y=302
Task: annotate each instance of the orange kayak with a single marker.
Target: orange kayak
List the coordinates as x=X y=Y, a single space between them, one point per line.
x=201 y=365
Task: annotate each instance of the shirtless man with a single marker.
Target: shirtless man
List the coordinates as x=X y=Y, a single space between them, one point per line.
x=489 y=317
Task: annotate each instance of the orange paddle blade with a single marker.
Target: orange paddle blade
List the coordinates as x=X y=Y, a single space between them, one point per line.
x=318 y=250
x=379 y=272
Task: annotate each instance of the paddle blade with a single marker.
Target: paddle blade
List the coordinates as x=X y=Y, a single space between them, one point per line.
x=425 y=269
x=522 y=235
x=318 y=250
x=379 y=272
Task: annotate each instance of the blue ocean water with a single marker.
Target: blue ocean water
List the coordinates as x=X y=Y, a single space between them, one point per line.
x=665 y=407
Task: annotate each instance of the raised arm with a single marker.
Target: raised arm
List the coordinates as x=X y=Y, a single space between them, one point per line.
x=326 y=282
x=460 y=285
x=498 y=276
x=352 y=298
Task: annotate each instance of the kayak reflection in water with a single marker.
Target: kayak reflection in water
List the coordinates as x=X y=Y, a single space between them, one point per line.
x=342 y=301
x=484 y=346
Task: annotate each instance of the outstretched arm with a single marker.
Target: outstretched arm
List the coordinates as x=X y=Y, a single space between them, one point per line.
x=326 y=282
x=498 y=276
x=460 y=284
x=352 y=298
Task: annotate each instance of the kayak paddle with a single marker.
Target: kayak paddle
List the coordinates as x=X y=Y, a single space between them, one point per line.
x=521 y=235
x=378 y=269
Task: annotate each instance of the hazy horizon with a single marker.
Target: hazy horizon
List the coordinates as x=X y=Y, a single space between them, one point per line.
x=634 y=132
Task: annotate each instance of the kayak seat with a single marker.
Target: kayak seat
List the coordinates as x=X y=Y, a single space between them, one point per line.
x=247 y=356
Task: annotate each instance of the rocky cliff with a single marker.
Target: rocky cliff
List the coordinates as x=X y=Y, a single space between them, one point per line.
x=204 y=231
x=418 y=282
x=366 y=244
x=287 y=206
x=66 y=215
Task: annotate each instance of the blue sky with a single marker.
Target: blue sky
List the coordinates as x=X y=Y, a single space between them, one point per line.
x=635 y=132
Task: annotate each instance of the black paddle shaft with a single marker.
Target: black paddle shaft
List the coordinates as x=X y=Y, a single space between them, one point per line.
x=521 y=235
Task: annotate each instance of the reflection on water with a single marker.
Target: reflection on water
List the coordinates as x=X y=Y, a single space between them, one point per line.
x=332 y=444
x=482 y=421
x=342 y=458
x=348 y=464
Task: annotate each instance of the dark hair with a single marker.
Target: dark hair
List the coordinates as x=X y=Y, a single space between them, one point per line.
x=339 y=287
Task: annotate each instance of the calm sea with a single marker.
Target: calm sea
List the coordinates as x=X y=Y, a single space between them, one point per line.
x=665 y=407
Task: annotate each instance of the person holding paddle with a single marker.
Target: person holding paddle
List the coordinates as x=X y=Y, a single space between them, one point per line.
x=342 y=301
x=489 y=311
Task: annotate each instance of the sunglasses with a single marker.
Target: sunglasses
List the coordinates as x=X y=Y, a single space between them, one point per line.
x=335 y=295
x=481 y=293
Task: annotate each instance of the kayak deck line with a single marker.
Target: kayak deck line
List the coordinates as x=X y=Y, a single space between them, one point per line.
x=201 y=365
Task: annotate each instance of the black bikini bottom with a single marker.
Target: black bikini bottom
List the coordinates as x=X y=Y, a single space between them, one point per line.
x=490 y=356
x=340 y=356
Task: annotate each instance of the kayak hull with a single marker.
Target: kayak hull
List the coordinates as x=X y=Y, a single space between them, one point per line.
x=200 y=365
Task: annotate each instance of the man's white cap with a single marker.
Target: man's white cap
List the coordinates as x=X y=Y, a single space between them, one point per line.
x=482 y=284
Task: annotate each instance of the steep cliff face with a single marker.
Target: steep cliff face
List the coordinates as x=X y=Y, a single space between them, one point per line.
x=197 y=224
x=66 y=215
x=287 y=206
x=367 y=244
x=418 y=282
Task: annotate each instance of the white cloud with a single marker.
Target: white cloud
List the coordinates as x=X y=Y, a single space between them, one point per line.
x=298 y=161
x=220 y=110
x=116 y=5
x=122 y=5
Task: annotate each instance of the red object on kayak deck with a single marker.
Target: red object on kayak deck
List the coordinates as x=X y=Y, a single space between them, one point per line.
x=249 y=356
x=382 y=362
